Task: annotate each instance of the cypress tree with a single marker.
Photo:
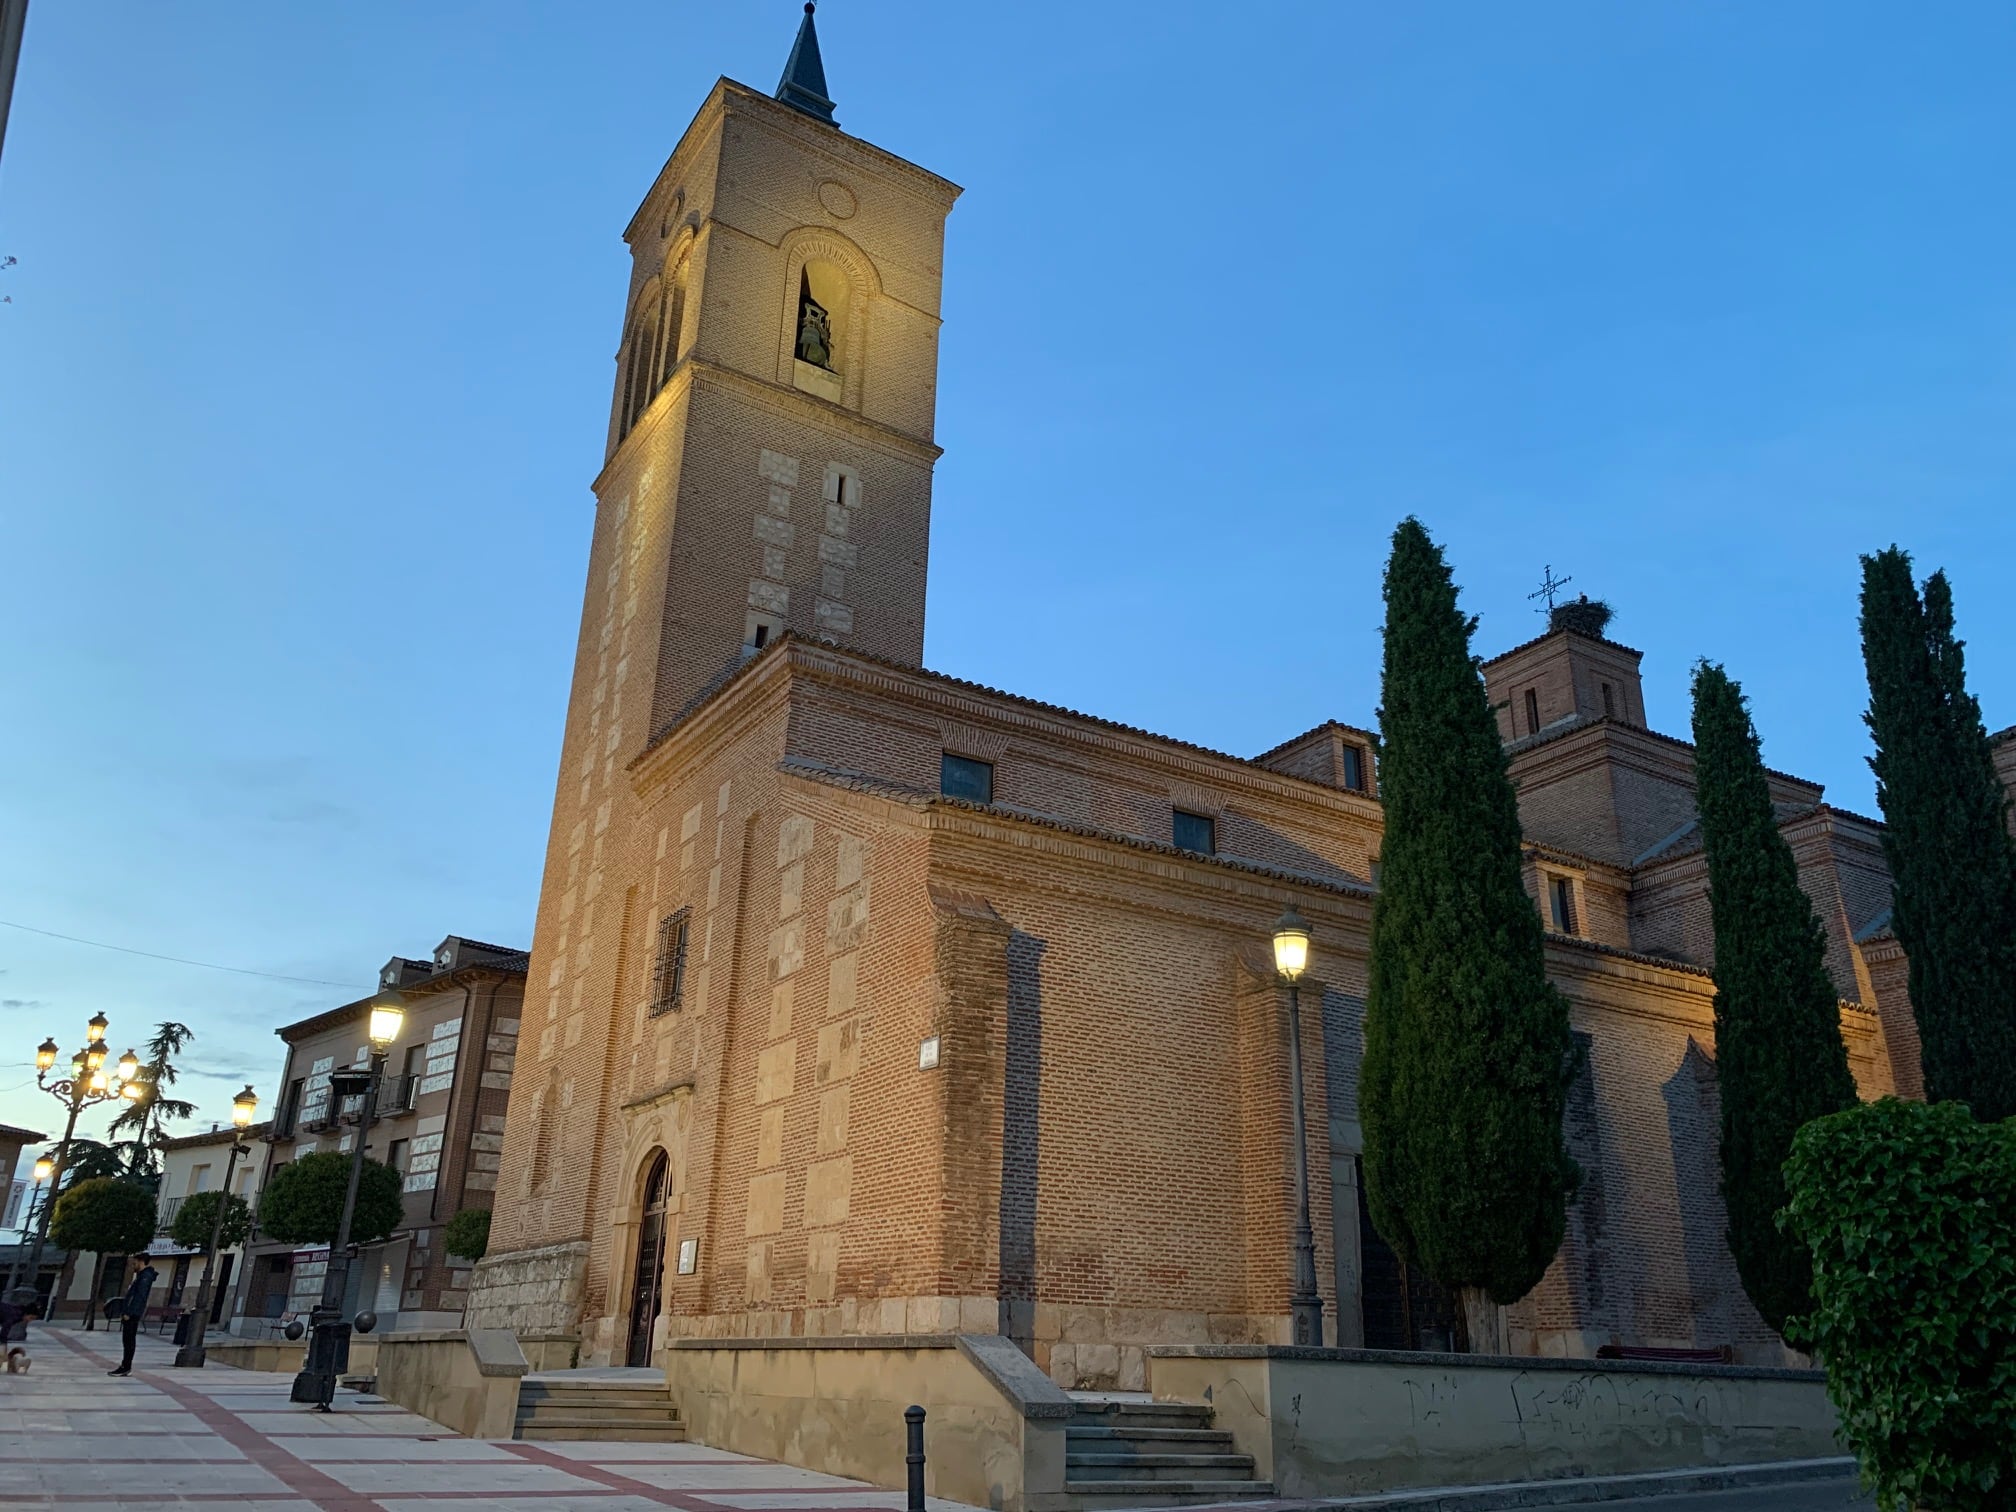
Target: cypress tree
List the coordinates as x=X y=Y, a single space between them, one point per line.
x=1468 y=1053
x=1952 y=863
x=1779 y=1057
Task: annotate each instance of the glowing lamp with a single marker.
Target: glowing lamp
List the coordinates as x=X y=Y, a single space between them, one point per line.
x=388 y=1017
x=132 y=1091
x=94 y=1031
x=129 y=1064
x=45 y=1055
x=243 y=1106
x=1291 y=944
x=94 y=1057
x=45 y=1167
x=97 y=1082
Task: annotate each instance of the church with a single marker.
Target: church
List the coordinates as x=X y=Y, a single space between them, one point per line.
x=866 y=1002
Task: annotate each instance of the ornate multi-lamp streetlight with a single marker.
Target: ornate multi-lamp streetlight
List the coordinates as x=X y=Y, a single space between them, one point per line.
x=87 y=1084
x=1291 y=959
x=329 y=1343
x=243 y=1106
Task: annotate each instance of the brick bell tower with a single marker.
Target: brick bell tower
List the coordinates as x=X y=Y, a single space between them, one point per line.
x=770 y=439
x=768 y=468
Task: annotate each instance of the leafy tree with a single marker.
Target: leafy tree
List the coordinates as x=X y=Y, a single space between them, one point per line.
x=468 y=1234
x=105 y=1214
x=1952 y=862
x=303 y=1203
x=193 y=1219
x=90 y=1160
x=1779 y=1057
x=1905 y=1208
x=1468 y=1053
x=143 y=1116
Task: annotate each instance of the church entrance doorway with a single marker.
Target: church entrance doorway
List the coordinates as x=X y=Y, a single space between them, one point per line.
x=1404 y=1309
x=647 y=1285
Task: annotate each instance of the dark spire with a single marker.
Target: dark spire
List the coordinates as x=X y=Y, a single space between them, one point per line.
x=803 y=86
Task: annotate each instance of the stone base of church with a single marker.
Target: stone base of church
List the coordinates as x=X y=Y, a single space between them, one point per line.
x=1338 y=1422
x=530 y=1291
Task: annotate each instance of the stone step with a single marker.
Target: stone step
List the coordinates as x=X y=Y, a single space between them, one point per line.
x=606 y=1433
x=591 y=1398
x=1158 y=1467
x=1125 y=1414
x=1134 y=1493
x=571 y=1414
x=1091 y=1440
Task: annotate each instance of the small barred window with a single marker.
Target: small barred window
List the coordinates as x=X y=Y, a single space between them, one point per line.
x=668 y=971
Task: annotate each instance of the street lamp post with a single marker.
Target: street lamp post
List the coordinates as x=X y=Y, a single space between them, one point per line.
x=1291 y=959
x=329 y=1343
x=243 y=1106
x=86 y=1085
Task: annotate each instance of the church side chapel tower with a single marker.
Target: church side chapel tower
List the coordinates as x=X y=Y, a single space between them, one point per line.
x=869 y=1002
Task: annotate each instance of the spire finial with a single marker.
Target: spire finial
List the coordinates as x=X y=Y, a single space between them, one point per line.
x=803 y=86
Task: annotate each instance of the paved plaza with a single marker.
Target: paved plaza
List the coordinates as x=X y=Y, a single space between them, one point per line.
x=74 y=1438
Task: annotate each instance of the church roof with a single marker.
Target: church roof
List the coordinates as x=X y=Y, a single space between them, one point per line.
x=803 y=86
x=920 y=798
x=946 y=679
x=1601 y=640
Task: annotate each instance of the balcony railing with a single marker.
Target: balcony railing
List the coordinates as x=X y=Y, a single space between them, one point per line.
x=170 y=1206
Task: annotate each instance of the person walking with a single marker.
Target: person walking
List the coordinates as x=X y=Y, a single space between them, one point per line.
x=133 y=1308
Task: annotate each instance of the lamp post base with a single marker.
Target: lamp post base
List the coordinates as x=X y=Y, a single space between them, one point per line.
x=328 y=1359
x=190 y=1357
x=1307 y=1318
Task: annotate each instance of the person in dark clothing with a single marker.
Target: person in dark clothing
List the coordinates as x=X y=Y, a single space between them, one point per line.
x=133 y=1309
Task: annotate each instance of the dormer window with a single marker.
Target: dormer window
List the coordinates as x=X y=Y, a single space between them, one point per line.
x=1194 y=832
x=1561 y=902
x=1354 y=768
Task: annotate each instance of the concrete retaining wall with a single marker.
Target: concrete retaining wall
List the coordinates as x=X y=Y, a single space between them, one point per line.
x=278 y=1354
x=994 y=1435
x=466 y=1381
x=1328 y=1422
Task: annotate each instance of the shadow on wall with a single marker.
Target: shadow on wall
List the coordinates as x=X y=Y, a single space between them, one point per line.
x=1021 y=1110
x=1694 y=1127
x=1587 y=1252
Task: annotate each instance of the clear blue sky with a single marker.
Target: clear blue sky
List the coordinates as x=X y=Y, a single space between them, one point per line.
x=308 y=362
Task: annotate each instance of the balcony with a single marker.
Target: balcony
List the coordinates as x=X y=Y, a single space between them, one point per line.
x=170 y=1206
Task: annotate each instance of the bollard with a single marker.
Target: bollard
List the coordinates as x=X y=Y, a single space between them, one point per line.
x=914 y=1417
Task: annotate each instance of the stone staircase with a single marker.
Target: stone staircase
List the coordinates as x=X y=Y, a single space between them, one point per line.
x=577 y=1406
x=1134 y=1452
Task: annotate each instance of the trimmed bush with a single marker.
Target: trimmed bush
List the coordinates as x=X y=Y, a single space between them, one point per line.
x=303 y=1203
x=468 y=1233
x=191 y=1228
x=105 y=1214
x=1907 y=1209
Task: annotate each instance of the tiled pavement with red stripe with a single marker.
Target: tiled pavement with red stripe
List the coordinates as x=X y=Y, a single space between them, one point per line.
x=73 y=1438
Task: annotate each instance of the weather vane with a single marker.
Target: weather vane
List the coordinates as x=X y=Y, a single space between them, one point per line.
x=1550 y=585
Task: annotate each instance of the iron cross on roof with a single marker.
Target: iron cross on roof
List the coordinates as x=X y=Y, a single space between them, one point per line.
x=1549 y=586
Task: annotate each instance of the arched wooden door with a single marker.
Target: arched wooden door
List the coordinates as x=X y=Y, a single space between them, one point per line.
x=647 y=1285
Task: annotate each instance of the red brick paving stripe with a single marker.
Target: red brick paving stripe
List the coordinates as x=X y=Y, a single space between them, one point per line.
x=691 y=1501
x=298 y=1476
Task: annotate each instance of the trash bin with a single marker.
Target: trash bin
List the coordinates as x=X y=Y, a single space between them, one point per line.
x=182 y=1326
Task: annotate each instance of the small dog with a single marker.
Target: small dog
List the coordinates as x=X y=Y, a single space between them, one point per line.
x=14 y=1318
